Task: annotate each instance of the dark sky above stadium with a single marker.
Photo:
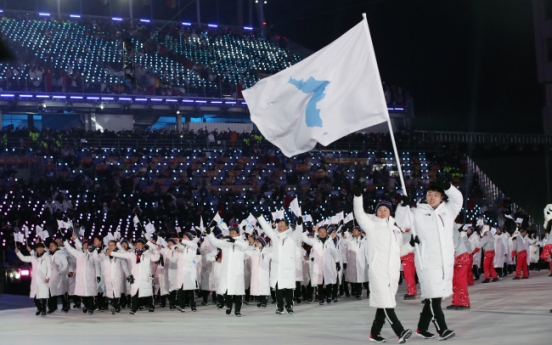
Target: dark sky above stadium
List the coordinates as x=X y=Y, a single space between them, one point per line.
x=469 y=64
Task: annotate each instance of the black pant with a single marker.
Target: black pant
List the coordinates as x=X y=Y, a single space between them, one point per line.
x=324 y=292
x=281 y=294
x=188 y=298
x=172 y=298
x=237 y=300
x=116 y=303
x=367 y=287
x=52 y=302
x=137 y=301
x=205 y=295
x=247 y=294
x=101 y=301
x=344 y=288
x=498 y=271
x=40 y=304
x=379 y=321
x=263 y=300
x=88 y=302
x=76 y=300
x=220 y=300
x=432 y=312
x=356 y=289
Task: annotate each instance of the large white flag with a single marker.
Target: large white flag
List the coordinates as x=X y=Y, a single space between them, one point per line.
x=330 y=94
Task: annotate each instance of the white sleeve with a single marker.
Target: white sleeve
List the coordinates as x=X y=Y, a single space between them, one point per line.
x=362 y=218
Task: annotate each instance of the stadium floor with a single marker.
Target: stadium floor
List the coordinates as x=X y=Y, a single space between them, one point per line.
x=506 y=312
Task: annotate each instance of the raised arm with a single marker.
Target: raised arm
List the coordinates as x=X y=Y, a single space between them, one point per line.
x=78 y=243
x=216 y=242
x=455 y=201
x=242 y=245
x=24 y=258
x=362 y=218
x=267 y=228
x=122 y=255
x=191 y=244
x=308 y=240
x=70 y=249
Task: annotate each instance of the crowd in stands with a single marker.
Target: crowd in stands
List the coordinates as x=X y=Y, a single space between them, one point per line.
x=85 y=55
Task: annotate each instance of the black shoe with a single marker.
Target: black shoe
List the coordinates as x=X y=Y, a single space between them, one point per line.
x=90 y=312
x=328 y=300
x=132 y=312
x=43 y=313
x=258 y=305
x=76 y=306
x=65 y=310
x=299 y=301
x=203 y=303
x=289 y=310
x=263 y=306
x=141 y=308
x=447 y=334
x=246 y=302
x=172 y=308
x=151 y=310
x=516 y=278
x=452 y=307
x=321 y=302
x=194 y=309
x=279 y=311
x=408 y=297
x=335 y=300
x=238 y=314
x=37 y=312
x=84 y=310
x=220 y=306
x=405 y=334
x=51 y=311
x=163 y=306
x=358 y=298
x=273 y=302
x=462 y=307
x=487 y=280
x=113 y=311
x=524 y=277
x=425 y=335
x=228 y=311
x=495 y=280
x=377 y=339
x=550 y=275
x=180 y=309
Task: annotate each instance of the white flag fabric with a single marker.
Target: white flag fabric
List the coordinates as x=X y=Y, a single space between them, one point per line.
x=348 y=218
x=150 y=229
x=278 y=215
x=43 y=235
x=294 y=207
x=332 y=93
x=19 y=237
x=136 y=221
x=81 y=231
x=201 y=226
x=307 y=218
x=108 y=238
x=251 y=220
x=26 y=230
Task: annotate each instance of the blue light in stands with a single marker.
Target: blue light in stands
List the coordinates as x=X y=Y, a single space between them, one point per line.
x=25 y=96
x=216 y=102
x=117 y=19
x=230 y=102
x=247 y=28
x=140 y=99
x=187 y=24
x=43 y=14
x=77 y=97
x=145 y=20
x=213 y=25
x=188 y=100
x=74 y=15
x=201 y=101
x=244 y=103
x=93 y=97
x=7 y=95
x=64 y=97
x=156 y=100
x=42 y=96
x=107 y=98
x=171 y=100
x=126 y=99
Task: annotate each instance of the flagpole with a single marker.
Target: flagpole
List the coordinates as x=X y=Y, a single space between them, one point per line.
x=397 y=158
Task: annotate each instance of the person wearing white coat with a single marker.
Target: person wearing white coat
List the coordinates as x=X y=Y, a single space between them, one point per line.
x=325 y=263
x=385 y=248
x=433 y=221
x=487 y=243
x=173 y=270
x=473 y=237
x=283 y=266
x=357 y=261
x=141 y=278
x=188 y=249
x=501 y=252
x=87 y=273
x=207 y=281
x=40 y=276
x=58 y=287
x=115 y=272
x=69 y=281
x=521 y=247
x=260 y=271
x=231 y=279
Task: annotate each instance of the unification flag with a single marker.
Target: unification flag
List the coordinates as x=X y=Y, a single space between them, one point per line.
x=330 y=94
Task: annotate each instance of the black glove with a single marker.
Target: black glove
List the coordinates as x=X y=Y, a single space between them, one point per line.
x=208 y=230
x=98 y=280
x=256 y=214
x=299 y=221
x=357 y=188
x=344 y=266
x=230 y=239
x=130 y=279
x=414 y=240
x=405 y=201
x=338 y=266
x=212 y=223
x=442 y=182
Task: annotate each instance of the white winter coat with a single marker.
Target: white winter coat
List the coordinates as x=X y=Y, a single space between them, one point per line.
x=385 y=248
x=115 y=271
x=231 y=278
x=260 y=271
x=161 y=280
x=501 y=250
x=174 y=267
x=87 y=269
x=435 y=228
x=217 y=270
x=41 y=271
x=357 y=259
x=475 y=243
x=306 y=263
x=141 y=271
x=207 y=272
x=323 y=257
x=71 y=267
x=58 y=280
x=284 y=250
x=247 y=266
x=189 y=269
